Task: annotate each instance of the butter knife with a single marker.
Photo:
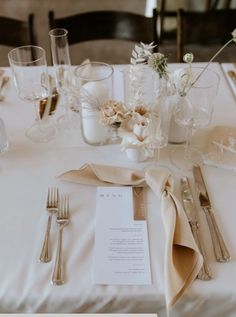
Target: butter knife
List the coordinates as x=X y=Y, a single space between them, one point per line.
x=191 y=213
x=220 y=249
x=232 y=75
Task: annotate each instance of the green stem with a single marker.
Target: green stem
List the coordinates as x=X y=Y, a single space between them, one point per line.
x=213 y=57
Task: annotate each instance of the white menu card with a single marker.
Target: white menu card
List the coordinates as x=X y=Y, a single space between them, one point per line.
x=121 y=252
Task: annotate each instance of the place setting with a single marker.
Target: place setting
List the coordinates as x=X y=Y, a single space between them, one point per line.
x=139 y=214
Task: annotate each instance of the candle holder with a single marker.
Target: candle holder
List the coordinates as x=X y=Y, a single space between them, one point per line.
x=95 y=82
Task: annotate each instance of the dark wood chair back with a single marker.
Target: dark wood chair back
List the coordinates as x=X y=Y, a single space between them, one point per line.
x=107 y=25
x=15 y=33
x=164 y=34
x=203 y=28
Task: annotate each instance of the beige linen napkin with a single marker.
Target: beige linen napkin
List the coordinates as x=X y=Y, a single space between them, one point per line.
x=182 y=257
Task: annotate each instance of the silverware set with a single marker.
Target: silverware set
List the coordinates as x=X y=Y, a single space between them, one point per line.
x=220 y=250
x=58 y=205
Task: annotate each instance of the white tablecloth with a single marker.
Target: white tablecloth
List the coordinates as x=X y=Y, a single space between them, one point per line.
x=28 y=169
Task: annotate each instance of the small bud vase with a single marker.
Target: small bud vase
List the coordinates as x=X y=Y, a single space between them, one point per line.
x=136 y=155
x=177 y=134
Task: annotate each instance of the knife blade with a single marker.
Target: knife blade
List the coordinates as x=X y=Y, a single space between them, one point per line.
x=232 y=75
x=220 y=249
x=191 y=212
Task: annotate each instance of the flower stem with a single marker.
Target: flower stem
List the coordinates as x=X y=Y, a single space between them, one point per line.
x=213 y=57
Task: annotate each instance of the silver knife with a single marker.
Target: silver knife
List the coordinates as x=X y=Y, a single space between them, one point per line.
x=220 y=249
x=191 y=212
x=232 y=75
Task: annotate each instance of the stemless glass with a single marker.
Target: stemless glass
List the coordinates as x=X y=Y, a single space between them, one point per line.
x=63 y=74
x=95 y=84
x=29 y=68
x=194 y=111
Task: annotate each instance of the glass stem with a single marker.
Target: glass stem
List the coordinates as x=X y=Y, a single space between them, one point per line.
x=37 y=111
x=187 y=149
x=66 y=102
x=157 y=154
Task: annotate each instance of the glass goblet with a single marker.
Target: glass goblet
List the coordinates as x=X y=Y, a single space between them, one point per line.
x=193 y=110
x=29 y=69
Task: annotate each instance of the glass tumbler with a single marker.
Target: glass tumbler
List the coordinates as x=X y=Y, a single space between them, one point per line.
x=95 y=83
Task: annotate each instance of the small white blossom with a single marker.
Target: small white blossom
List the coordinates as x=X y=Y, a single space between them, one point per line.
x=141 y=52
x=234 y=35
x=188 y=58
x=182 y=79
x=158 y=62
x=113 y=113
x=141 y=130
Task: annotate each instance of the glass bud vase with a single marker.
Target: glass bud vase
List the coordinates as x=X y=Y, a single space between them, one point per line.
x=115 y=138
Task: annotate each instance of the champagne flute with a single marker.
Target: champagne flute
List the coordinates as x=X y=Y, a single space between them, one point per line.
x=194 y=111
x=29 y=68
x=63 y=74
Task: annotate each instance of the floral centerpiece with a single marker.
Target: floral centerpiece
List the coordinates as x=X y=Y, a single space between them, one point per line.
x=141 y=124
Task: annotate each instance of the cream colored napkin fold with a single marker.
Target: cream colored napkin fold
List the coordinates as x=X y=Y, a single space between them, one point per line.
x=182 y=257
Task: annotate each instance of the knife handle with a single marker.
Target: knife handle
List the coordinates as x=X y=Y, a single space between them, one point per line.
x=205 y=273
x=220 y=249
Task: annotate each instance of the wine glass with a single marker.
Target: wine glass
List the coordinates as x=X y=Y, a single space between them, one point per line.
x=63 y=75
x=193 y=110
x=29 y=68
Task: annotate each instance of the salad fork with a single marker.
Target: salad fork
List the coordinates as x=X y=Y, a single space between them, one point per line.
x=52 y=207
x=63 y=219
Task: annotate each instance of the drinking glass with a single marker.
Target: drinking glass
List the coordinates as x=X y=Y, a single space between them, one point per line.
x=29 y=68
x=194 y=111
x=63 y=74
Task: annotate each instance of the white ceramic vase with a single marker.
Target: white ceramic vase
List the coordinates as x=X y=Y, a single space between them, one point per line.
x=136 y=155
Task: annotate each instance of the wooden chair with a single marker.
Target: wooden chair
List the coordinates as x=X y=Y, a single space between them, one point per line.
x=203 y=28
x=214 y=4
x=97 y=25
x=14 y=32
x=164 y=13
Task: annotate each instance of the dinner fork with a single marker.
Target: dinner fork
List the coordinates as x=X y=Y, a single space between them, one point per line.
x=63 y=218
x=52 y=207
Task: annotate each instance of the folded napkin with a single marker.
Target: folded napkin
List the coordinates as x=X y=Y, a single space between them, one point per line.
x=221 y=148
x=182 y=257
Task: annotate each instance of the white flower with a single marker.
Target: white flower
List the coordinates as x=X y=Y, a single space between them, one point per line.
x=141 y=52
x=182 y=79
x=141 y=130
x=113 y=112
x=158 y=62
x=130 y=141
x=234 y=35
x=188 y=58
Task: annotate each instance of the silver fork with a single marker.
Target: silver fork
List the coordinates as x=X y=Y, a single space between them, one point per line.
x=52 y=207
x=63 y=218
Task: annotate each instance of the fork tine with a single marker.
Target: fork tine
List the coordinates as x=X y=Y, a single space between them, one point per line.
x=48 y=197
x=53 y=197
x=66 y=210
x=57 y=195
x=54 y=201
x=63 y=211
